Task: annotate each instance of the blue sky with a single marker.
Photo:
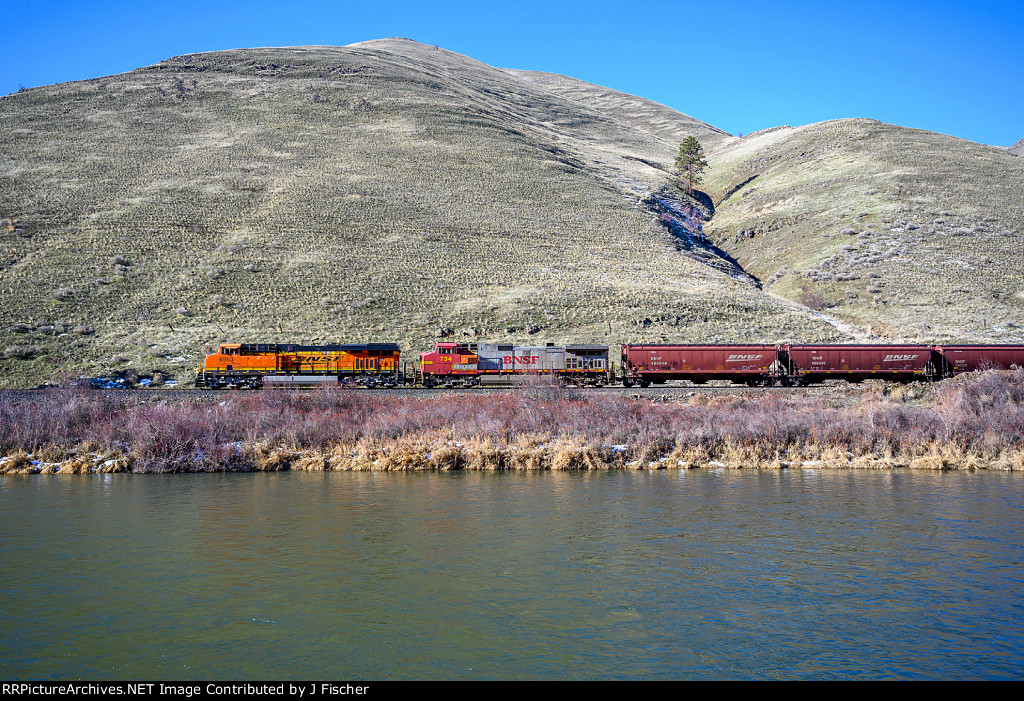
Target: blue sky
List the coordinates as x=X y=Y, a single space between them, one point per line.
x=950 y=67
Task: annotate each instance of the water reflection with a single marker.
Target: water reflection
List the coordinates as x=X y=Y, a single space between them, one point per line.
x=749 y=574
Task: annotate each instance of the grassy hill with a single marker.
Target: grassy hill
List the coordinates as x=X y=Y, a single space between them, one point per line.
x=648 y=116
x=381 y=191
x=391 y=191
x=915 y=234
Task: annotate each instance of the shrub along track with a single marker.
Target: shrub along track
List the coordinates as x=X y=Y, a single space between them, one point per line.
x=667 y=392
x=969 y=422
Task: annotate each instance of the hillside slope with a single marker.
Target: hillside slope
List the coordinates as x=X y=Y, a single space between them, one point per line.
x=915 y=234
x=383 y=191
x=640 y=113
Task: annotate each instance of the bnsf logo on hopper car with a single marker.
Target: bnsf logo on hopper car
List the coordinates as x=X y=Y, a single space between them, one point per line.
x=898 y=358
x=742 y=358
x=521 y=359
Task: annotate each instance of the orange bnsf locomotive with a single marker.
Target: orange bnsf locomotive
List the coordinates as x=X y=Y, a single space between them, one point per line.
x=255 y=365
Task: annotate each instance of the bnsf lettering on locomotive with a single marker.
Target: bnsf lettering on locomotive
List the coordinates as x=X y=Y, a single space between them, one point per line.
x=742 y=358
x=898 y=358
x=521 y=359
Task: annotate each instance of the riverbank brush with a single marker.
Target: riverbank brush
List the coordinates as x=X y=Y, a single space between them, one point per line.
x=971 y=422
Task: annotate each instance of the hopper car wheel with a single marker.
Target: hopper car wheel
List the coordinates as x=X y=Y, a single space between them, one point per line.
x=626 y=382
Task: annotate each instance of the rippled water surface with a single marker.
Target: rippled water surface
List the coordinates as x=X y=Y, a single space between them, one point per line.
x=737 y=574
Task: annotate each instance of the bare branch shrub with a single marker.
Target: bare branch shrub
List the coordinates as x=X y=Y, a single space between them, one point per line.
x=22 y=352
x=544 y=388
x=812 y=298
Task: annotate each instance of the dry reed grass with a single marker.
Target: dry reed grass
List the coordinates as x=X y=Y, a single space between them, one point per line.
x=971 y=422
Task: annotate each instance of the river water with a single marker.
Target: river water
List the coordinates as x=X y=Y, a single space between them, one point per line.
x=601 y=575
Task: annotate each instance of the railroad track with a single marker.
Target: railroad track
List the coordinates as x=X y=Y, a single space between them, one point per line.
x=661 y=392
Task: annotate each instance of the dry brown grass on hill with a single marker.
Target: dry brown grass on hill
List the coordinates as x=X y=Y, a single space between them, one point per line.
x=386 y=190
x=663 y=122
x=915 y=234
x=374 y=192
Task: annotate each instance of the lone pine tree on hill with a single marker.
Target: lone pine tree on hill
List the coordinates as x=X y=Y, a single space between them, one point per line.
x=691 y=161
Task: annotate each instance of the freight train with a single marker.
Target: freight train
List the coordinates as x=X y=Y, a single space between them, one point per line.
x=805 y=364
x=254 y=365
